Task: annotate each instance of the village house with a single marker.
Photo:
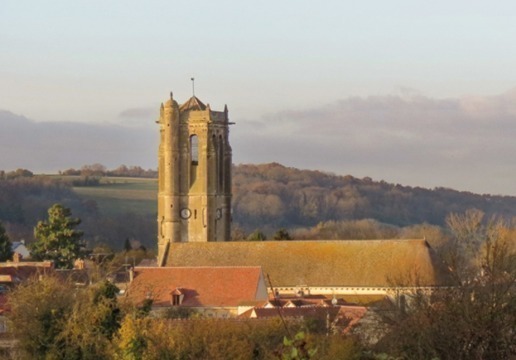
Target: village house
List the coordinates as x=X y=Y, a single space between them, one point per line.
x=19 y=247
x=223 y=291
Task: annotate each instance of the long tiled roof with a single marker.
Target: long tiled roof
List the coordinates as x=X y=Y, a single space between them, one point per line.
x=201 y=286
x=341 y=263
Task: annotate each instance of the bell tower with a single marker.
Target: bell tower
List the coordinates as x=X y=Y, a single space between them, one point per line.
x=194 y=166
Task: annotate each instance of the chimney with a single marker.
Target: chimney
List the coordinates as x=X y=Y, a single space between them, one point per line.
x=79 y=264
x=17 y=257
x=131 y=274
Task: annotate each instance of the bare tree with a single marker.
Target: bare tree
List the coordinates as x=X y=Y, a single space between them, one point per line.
x=474 y=316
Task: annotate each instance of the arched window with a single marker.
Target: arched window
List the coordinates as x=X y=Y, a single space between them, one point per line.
x=194 y=149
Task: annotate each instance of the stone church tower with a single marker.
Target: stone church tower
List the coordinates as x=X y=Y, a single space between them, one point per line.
x=194 y=165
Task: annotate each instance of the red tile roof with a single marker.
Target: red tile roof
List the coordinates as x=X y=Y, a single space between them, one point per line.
x=349 y=316
x=201 y=286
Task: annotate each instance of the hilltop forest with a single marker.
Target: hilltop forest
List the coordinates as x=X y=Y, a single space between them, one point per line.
x=267 y=197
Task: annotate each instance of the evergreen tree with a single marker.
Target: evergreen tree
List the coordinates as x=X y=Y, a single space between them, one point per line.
x=57 y=239
x=282 y=234
x=6 y=251
x=257 y=235
x=105 y=297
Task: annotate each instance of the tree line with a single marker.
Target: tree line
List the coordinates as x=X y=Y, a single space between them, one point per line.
x=272 y=196
x=98 y=170
x=266 y=198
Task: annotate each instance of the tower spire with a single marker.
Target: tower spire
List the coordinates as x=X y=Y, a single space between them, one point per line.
x=193 y=86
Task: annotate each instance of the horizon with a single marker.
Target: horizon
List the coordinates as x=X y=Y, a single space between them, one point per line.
x=416 y=94
x=329 y=173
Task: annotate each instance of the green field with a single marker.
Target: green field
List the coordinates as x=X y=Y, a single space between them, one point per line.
x=117 y=195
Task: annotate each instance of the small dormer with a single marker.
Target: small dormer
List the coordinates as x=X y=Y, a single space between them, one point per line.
x=177 y=297
x=290 y=304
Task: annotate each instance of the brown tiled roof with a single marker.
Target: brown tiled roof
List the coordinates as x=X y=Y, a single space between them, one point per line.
x=341 y=263
x=365 y=299
x=349 y=316
x=201 y=286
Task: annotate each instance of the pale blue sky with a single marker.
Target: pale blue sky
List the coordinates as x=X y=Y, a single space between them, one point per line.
x=90 y=61
x=259 y=56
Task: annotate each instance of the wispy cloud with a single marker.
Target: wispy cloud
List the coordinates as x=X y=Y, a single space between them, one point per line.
x=466 y=143
x=52 y=146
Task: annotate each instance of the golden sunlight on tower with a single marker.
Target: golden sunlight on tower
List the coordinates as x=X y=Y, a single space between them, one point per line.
x=194 y=164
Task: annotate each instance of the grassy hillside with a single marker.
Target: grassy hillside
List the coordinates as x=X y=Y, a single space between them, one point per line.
x=116 y=195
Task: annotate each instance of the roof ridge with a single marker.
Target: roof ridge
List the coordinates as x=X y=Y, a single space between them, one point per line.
x=202 y=267
x=254 y=243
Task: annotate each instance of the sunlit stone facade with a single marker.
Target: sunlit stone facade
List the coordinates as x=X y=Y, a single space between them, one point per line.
x=194 y=165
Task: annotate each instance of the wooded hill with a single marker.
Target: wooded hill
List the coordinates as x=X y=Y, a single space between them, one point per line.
x=266 y=197
x=277 y=196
